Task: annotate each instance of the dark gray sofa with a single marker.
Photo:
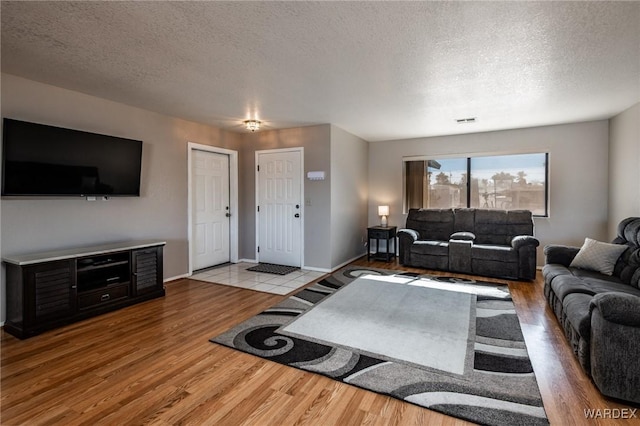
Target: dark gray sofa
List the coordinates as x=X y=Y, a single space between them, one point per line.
x=600 y=314
x=495 y=243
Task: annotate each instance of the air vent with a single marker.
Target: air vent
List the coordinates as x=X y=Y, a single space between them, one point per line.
x=466 y=120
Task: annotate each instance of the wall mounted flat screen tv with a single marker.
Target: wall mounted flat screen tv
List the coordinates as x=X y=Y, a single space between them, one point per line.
x=41 y=160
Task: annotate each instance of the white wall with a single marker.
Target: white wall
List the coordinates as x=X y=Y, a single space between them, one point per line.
x=624 y=167
x=160 y=212
x=578 y=157
x=349 y=195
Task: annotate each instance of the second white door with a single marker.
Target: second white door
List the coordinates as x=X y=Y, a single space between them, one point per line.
x=210 y=189
x=280 y=207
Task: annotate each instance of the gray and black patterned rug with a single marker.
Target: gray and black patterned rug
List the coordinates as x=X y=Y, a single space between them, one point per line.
x=448 y=344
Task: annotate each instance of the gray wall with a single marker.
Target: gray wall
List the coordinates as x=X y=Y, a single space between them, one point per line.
x=359 y=177
x=316 y=143
x=159 y=213
x=349 y=195
x=624 y=167
x=578 y=156
x=335 y=209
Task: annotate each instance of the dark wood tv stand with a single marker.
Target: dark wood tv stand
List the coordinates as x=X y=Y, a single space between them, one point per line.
x=47 y=290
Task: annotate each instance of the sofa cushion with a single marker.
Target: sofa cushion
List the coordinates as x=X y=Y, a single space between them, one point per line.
x=628 y=267
x=564 y=285
x=565 y=281
x=464 y=220
x=500 y=226
x=432 y=224
x=598 y=256
x=520 y=222
x=604 y=286
x=494 y=252
x=430 y=247
x=552 y=270
x=491 y=227
x=576 y=308
x=629 y=232
x=493 y=268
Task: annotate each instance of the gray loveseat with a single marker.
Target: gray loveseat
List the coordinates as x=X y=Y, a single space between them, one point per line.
x=600 y=314
x=495 y=243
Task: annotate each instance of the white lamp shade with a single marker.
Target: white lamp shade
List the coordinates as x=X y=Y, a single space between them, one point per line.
x=383 y=210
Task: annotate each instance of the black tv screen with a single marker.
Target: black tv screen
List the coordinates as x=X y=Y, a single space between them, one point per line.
x=41 y=160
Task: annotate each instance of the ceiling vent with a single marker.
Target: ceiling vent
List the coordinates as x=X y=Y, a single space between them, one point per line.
x=466 y=120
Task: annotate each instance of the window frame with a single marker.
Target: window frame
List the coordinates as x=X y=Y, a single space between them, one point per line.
x=468 y=159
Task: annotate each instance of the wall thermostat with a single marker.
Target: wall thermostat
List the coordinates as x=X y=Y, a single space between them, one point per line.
x=315 y=175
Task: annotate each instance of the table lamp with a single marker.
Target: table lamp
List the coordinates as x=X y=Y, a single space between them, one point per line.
x=384 y=212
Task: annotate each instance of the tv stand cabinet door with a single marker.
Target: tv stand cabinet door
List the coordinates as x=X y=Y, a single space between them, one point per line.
x=146 y=270
x=49 y=295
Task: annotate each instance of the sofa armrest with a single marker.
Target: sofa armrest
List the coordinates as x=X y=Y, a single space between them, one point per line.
x=562 y=255
x=524 y=240
x=406 y=237
x=615 y=345
x=408 y=233
x=463 y=236
x=618 y=308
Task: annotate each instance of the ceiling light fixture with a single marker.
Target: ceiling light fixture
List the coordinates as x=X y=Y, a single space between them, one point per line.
x=466 y=120
x=252 y=125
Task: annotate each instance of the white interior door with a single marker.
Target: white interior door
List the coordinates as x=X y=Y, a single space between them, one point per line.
x=280 y=207
x=210 y=208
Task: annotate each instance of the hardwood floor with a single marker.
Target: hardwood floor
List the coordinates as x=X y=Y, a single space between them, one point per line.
x=153 y=364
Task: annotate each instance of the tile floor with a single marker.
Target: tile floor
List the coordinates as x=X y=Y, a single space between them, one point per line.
x=236 y=275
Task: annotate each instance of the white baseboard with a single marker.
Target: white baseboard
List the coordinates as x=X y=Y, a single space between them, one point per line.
x=335 y=268
x=177 y=277
x=248 y=260
x=312 y=268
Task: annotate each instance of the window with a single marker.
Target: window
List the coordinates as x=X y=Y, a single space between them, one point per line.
x=507 y=182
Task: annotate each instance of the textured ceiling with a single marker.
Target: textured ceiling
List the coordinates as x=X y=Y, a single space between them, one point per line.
x=380 y=70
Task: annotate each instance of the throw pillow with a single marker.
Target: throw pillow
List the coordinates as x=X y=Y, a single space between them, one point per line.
x=598 y=256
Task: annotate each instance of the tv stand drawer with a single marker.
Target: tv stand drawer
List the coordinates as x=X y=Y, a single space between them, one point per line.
x=106 y=295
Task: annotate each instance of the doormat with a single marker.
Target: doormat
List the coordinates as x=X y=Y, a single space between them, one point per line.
x=270 y=268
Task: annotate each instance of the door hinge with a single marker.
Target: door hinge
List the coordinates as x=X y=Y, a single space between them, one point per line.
x=258 y=249
x=258 y=208
x=258 y=167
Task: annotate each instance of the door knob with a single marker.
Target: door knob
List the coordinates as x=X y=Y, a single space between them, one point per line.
x=296 y=215
x=228 y=214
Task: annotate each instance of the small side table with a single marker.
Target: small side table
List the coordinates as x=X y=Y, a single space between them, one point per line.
x=382 y=233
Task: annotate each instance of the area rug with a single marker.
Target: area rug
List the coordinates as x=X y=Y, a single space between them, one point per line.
x=271 y=268
x=448 y=344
